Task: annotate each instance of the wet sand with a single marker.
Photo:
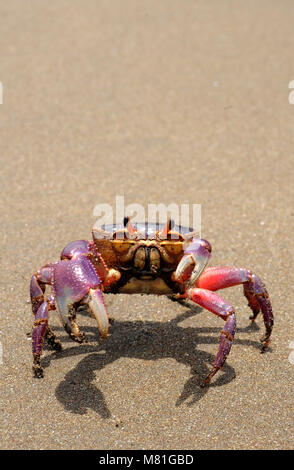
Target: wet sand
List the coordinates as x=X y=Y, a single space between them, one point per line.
x=170 y=101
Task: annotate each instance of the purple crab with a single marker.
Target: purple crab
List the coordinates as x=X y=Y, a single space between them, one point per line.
x=148 y=258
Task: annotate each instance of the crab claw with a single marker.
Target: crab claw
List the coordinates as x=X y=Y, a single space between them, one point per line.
x=185 y=268
x=195 y=258
x=98 y=311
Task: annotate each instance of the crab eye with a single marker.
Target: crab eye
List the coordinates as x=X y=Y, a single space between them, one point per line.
x=173 y=247
x=121 y=246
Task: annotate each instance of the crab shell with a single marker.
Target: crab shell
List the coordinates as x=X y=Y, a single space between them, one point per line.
x=145 y=254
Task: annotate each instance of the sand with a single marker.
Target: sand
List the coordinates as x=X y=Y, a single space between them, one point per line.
x=170 y=101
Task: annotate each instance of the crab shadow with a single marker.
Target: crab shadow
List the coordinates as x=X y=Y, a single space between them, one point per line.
x=146 y=340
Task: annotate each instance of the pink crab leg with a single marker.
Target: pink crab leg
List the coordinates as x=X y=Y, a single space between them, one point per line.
x=218 y=277
x=217 y=305
x=196 y=257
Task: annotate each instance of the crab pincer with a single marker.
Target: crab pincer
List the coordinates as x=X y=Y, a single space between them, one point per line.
x=74 y=281
x=193 y=262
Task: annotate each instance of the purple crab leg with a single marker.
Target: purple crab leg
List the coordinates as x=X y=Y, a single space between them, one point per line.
x=41 y=307
x=39 y=332
x=192 y=264
x=76 y=280
x=37 y=290
x=38 y=283
x=217 y=305
x=218 y=277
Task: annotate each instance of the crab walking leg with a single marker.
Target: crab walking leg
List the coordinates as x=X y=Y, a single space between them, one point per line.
x=38 y=335
x=37 y=291
x=51 y=339
x=38 y=284
x=192 y=264
x=74 y=279
x=218 y=277
x=215 y=304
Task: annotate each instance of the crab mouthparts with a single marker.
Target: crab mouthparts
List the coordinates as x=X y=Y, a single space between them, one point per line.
x=147 y=261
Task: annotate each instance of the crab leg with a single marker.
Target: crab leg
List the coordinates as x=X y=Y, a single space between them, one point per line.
x=37 y=290
x=192 y=264
x=38 y=284
x=40 y=331
x=218 y=277
x=217 y=305
x=41 y=307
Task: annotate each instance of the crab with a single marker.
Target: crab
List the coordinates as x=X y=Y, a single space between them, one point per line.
x=146 y=258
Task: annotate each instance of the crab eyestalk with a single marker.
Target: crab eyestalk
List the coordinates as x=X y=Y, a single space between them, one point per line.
x=166 y=229
x=129 y=226
x=195 y=258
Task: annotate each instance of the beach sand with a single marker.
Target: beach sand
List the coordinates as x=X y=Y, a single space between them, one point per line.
x=159 y=102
